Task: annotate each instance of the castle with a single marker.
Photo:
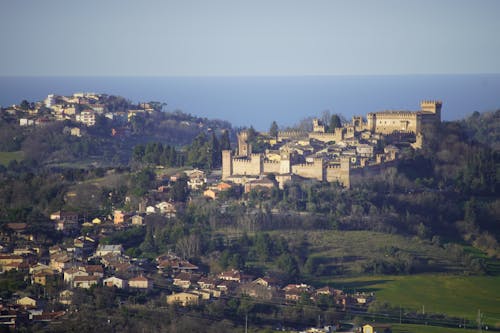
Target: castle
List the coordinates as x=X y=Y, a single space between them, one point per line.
x=345 y=155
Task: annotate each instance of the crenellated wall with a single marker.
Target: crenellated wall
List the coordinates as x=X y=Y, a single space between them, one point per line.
x=251 y=166
x=271 y=167
x=313 y=170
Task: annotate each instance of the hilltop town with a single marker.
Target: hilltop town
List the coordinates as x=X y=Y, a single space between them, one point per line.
x=346 y=154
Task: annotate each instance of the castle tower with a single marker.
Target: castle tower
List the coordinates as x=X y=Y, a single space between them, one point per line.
x=318 y=127
x=227 y=164
x=244 y=148
x=371 y=120
x=432 y=107
x=345 y=171
x=285 y=165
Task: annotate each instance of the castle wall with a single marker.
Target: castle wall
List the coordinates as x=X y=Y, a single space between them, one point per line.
x=313 y=170
x=248 y=166
x=340 y=173
x=326 y=137
x=271 y=167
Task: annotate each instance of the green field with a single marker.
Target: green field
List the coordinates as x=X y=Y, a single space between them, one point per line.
x=6 y=157
x=457 y=296
x=407 y=328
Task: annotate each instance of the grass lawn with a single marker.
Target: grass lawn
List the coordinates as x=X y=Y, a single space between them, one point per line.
x=407 y=328
x=458 y=296
x=6 y=157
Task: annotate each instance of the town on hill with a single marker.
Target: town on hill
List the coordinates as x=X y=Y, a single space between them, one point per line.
x=117 y=216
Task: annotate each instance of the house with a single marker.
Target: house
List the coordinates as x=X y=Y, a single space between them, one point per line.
x=27 y=301
x=256 y=290
x=196 y=179
x=235 y=275
x=103 y=250
x=183 y=299
x=211 y=193
x=377 y=328
x=140 y=282
x=208 y=283
x=117 y=282
x=95 y=270
x=293 y=292
x=41 y=277
x=85 y=281
x=150 y=210
x=85 y=243
x=65 y=221
x=11 y=261
x=268 y=281
x=70 y=274
x=65 y=297
x=137 y=220
x=119 y=217
x=60 y=261
x=166 y=208
x=185 y=280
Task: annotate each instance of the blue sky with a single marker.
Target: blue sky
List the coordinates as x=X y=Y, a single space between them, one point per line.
x=259 y=37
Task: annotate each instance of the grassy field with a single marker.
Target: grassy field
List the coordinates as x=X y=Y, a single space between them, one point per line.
x=6 y=157
x=458 y=296
x=407 y=328
x=350 y=249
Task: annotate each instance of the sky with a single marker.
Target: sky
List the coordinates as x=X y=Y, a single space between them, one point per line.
x=248 y=38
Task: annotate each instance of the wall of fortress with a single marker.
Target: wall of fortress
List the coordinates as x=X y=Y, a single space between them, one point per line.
x=313 y=170
x=247 y=166
x=271 y=167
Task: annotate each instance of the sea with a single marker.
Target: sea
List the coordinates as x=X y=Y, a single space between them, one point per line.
x=257 y=101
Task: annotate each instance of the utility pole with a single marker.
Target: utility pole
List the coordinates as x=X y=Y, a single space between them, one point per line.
x=479 y=328
x=400 y=314
x=246 y=322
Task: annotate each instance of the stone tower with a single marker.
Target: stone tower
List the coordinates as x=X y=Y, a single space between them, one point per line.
x=432 y=107
x=285 y=165
x=345 y=171
x=227 y=164
x=244 y=148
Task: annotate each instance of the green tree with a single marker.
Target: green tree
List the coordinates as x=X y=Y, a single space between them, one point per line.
x=273 y=131
x=335 y=122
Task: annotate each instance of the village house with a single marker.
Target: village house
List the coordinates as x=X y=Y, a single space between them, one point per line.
x=65 y=297
x=183 y=299
x=85 y=282
x=12 y=262
x=103 y=250
x=293 y=292
x=166 y=208
x=140 y=282
x=235 y=275
x=120 y=216
x=137 y=220
x=186 y=280
x=114 y=281
x=377 y=328
x=72 y=272
x=27 y=302
x=196 y=179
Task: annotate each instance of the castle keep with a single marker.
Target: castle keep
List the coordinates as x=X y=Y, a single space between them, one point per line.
x=344 y=155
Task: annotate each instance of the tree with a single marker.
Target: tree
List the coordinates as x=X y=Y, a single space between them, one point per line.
x=225 y=143
x=25 y=105
x=273 y=131
x=335 y=122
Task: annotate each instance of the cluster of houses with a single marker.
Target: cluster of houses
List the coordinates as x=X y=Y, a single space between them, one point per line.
x=79 y=107
x=194 y=287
